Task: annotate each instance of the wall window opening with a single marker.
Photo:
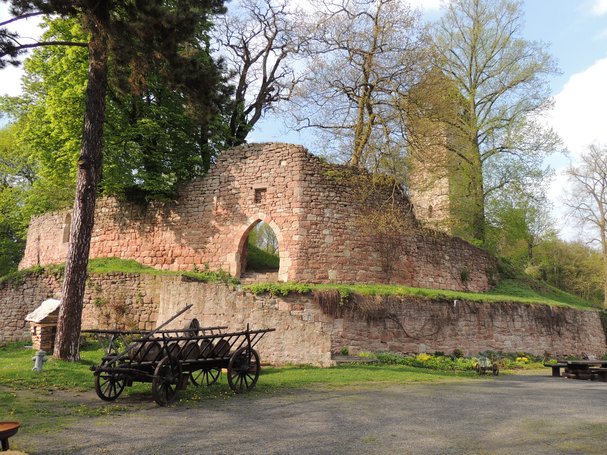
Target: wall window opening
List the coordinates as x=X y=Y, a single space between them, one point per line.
x=260 y=195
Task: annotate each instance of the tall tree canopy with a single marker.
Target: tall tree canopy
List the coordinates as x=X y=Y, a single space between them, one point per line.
x=16 y=176
x=136 y=37
x=154 y=138
x=502 y=88
x=363 y=56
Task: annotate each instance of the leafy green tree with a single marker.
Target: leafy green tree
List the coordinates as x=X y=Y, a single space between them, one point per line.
x=517 y=225
x=571 y=266
x=153 y=140
x=139 y=36
x=263 y=237
x=502 y=86
x=16 y=176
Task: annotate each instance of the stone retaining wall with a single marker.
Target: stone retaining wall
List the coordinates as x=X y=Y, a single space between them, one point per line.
x=420 y=325
x=308 y=329
x=113 y=300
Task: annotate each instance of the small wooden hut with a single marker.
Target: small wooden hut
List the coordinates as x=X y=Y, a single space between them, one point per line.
x=43 y=324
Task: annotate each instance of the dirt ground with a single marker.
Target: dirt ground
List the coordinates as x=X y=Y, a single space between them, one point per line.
x=507 y=415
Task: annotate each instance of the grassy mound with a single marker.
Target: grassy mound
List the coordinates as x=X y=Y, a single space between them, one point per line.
x=511 y=290
x=260 y=260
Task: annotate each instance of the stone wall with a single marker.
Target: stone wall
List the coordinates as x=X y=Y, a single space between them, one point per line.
x=303 y=332
x=111 y=301
x=420 y=325
x=310 y=328
x=322 y=221
x=18 y=298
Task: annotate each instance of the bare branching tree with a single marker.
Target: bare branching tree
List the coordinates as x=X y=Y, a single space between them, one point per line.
x=363 y=56
x=587 y=200
x=259 y=42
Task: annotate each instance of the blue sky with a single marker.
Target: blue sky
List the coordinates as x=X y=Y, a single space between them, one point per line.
x=576 y=32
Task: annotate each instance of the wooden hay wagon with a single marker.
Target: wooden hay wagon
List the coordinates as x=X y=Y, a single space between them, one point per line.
x=169 y=359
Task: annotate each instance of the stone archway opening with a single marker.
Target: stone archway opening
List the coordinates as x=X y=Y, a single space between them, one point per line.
x=260 y=254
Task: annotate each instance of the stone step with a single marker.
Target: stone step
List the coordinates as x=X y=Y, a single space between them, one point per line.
x=258 y=277
x=345 y=359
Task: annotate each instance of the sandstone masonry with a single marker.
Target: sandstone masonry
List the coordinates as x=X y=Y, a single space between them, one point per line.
x=111 y=301
x=321 y=222
x=308 y=330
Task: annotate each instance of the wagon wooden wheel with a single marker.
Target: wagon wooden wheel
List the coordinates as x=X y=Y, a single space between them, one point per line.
x=109 y=386
x=243 y=369
x=205 y=376
x=167 y=378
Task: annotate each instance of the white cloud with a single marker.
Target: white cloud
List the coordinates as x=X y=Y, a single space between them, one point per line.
x=600 y=7
x=581 y=107
x=579 y=118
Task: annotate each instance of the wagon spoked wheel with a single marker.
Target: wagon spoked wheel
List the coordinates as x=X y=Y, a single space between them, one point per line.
x=243 y=370
x=205 y=377
x=167 y=377
x=109 y=386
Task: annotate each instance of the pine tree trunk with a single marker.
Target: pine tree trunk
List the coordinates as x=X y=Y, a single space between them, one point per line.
x=89 y=168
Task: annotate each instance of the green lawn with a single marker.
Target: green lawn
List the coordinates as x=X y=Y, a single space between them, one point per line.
x=16 y=373
x=260 y=260
x=64 y=390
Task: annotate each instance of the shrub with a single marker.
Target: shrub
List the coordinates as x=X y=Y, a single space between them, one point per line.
x=424 y=360
x=457 y=353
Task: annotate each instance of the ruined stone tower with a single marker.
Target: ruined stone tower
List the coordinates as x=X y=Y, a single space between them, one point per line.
x=439 y=173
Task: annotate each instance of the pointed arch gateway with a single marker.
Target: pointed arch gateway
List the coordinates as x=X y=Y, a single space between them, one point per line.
x=238 y=256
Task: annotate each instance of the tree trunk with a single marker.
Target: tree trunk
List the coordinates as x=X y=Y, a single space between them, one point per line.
x=89 y=168
x=604 y=251
x=477 y=196
x=605 y=283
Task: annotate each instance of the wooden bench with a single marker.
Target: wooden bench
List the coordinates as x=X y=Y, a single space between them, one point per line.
x=556 y=368
x=600 y=373
x=586 y=369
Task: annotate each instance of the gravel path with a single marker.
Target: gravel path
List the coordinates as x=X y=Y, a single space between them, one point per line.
x=508 y=415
